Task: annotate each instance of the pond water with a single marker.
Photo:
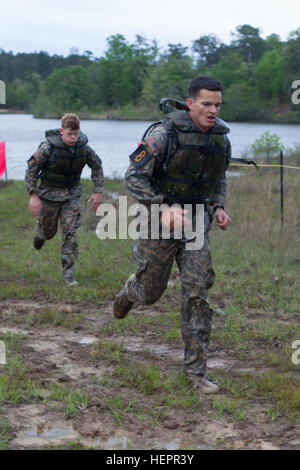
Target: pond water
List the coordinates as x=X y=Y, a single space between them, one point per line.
x=114 y=141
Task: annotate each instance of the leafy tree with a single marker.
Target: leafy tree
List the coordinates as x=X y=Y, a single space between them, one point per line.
x=209 y=49
x=170 y=76
x=144 y=56
x=273 y=42
x=292 y=53
x=270 y=74
x=256 y=73
x=68 y=89
x=241 y=103
x=267 y=145
x=248 y=43
x=231 y=69
x=117 y=72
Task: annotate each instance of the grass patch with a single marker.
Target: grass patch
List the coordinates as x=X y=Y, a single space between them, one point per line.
x=163 y=393
x=233 y=408
x=119 y=407
x=4 y=434
x=166 y=326
x=145 y=377
x=102 y=265
x=15 y=383
x=74 y=401
x=281 y=390
x=173 y=389
x=51 y=316
x=15 y=386
x=107 y=350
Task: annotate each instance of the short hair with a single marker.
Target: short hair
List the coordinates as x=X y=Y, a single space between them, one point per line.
x=203 y=82
x=70 y=121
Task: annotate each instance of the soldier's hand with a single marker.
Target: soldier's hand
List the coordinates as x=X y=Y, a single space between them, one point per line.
x=35 y=205
x=174 y=217
x=223 y=220
x=96 y=200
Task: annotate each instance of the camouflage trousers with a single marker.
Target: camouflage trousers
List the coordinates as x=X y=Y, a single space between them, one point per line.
x=154 y=260
x=69 y=215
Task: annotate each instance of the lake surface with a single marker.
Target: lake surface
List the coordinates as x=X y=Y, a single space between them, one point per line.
x=114 y=141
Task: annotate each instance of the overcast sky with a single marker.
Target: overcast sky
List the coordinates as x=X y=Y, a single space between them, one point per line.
x=56 y=26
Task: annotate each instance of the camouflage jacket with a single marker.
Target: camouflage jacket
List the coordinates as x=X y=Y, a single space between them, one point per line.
x=139 y=178
x=43 y=155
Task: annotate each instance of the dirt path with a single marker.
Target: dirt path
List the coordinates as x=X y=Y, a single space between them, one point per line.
x=116 y=414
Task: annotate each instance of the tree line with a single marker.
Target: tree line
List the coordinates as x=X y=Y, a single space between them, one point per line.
x=257 y=74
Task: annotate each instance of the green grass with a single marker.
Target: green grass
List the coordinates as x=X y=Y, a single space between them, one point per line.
x=120 y=407
x=263 y=387
x=50 y=316
x=135 y=384
x=16 y=386
x=4 y=434
x=165 y=326
x=74 y=401
x=257 y=289
x=233 y=408
x=149 y=380
x=108 y=350
x=101 y=266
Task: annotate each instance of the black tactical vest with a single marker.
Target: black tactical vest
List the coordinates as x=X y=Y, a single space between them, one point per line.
x=63 y=168
x=195 y=161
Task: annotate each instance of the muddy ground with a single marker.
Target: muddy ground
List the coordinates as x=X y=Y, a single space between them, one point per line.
x=118 y=415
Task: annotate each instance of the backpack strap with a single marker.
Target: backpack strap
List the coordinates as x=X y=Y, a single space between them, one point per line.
x=172 y=137
x=49 y=154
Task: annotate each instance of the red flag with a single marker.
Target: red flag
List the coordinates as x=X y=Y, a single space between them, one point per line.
x=2 y=159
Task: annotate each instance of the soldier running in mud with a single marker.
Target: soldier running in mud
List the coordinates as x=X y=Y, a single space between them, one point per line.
x=182 y=159
x=58 y=163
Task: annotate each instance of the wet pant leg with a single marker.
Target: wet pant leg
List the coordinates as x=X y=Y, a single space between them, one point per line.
x=70 y=221
x=48 y=219
x=154 y=260
x=197 y=276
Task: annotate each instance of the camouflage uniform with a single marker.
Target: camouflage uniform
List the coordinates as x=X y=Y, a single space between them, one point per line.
x=61 y=203
x=154 y=258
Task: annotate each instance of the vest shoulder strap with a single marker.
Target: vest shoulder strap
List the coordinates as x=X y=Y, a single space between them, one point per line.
x=172 y=141
x=169 y=126
x=48 y=155
x=150 y=128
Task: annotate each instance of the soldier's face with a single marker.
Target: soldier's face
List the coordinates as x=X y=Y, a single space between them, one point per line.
x=69 y=136
x=205 y=108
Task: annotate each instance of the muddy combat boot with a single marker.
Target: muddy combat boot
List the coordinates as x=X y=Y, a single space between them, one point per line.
x=203 y=383
x=38 y=242
x=71 y=282
x=121 y=305
x=69 y=279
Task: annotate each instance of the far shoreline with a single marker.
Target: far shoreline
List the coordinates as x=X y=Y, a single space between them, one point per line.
x=110 y=117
